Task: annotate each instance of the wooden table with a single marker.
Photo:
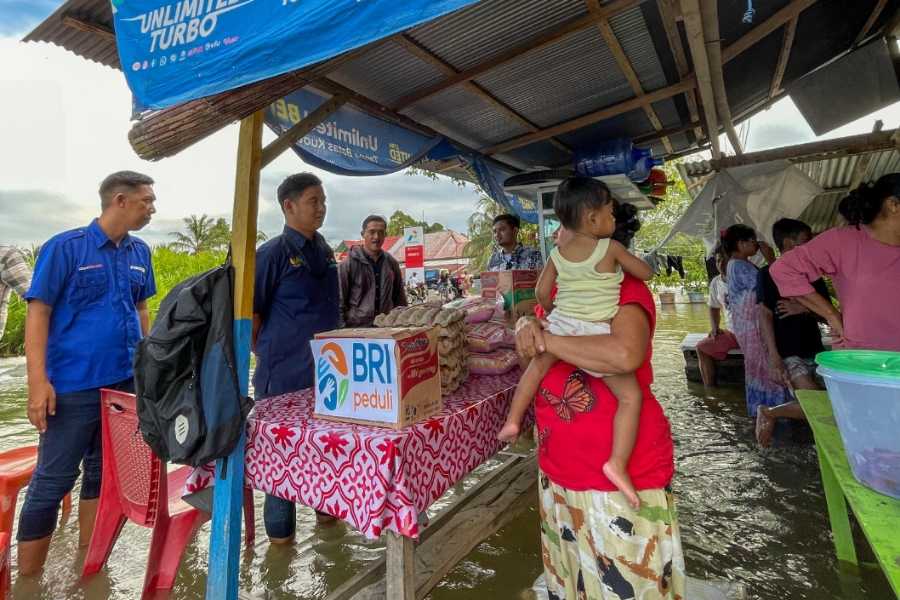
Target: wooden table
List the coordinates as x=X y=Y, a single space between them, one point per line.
x=878 y=515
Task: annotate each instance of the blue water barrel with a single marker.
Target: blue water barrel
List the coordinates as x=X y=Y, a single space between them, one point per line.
x=615 y=157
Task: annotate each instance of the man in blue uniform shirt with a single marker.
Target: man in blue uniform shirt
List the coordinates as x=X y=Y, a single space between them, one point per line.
x=87 y=309
x=295 y=296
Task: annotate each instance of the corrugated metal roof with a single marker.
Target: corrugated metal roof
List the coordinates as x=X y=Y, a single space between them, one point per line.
x=85 y=44
x=461 y=111
x=631 y=31
x=560 y=81
x=571 y=77
x=833 y=175
x=385 y=73
x=480 y=32
x=837 y=172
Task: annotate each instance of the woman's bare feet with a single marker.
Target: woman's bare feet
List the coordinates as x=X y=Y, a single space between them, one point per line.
x=765 y=425
x=509 y=433
x=618 y=475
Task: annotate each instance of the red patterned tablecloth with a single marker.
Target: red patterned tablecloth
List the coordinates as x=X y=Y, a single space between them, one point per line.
x=375 y=479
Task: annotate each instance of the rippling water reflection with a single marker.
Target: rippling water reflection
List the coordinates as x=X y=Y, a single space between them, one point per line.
x=746 y=514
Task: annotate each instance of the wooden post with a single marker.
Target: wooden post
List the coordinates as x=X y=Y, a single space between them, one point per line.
x=228 y=494
x=401 y=568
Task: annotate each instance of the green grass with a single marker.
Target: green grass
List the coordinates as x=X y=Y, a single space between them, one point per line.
x=169 y=268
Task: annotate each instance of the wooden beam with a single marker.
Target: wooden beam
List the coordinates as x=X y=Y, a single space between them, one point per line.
x=424 y=54
x=593 y=117
x=400 y=579
x=656 y=135
x=687 y=83
x=612 y=42
x=765 y=28
x=228 y=493
x=89 y=27
x=854 y=144
x=537 y=42
x=443 y=544
x=709 y=12
x=667 y=12
x=787 y=42
x=870 y=22
x=693 y=24
x=306 y=124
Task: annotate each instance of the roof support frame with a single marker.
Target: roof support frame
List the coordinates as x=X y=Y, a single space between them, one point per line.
x=593 y=117
x=275 y=148
x=710 y=13
x=609 y=36
x=423 y=53
x=89 y=27
x=667 y=11
x=688 y=83
x=845 y=146
x=787 y=43
x=541 y=40
x=870 y=22
x=693 y=24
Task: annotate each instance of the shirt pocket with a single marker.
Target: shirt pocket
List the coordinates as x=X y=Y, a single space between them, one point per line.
x=89 y=289
x=137 y=279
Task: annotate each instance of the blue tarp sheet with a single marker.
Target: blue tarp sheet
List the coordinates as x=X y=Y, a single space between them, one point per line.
x=173 y=51
x=351 y=142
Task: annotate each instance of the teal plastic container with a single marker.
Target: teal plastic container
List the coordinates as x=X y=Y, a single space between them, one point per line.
x=864 y=388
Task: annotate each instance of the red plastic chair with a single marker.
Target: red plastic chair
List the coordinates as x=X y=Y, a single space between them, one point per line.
x=4 y=565
x=16 y=467
x=136 y=487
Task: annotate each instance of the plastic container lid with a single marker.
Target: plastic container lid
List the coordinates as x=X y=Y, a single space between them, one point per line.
x=872 y=363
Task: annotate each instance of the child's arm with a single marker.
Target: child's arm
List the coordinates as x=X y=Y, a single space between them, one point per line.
x=632 y=265
x=545 y=284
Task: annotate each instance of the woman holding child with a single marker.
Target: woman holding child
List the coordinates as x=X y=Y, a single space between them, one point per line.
x=596 y=542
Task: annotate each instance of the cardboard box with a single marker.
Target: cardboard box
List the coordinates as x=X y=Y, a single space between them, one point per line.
x=389 y=377
x=515 y=287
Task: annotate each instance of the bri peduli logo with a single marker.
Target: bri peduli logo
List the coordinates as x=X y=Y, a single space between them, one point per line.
x=334 y=376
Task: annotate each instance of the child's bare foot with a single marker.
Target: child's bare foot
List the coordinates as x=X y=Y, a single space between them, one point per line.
x=765 y=425
x=619 y=477
x=509 y=433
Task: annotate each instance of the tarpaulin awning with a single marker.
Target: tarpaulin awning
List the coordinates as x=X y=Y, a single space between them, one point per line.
x=755 y=195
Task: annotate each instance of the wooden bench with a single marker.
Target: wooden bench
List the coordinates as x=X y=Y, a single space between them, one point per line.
x=728 y=372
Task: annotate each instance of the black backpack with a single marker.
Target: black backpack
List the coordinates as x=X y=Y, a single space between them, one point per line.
x=189 y=404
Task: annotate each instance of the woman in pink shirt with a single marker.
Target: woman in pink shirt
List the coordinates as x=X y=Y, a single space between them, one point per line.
x=863 y=262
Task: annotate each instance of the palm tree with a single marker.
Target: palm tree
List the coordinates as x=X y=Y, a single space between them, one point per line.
x=205 y=234
x=202 y=235
x=481 y=233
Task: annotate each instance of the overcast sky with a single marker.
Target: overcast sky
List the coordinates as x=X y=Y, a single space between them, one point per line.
x=64 y=124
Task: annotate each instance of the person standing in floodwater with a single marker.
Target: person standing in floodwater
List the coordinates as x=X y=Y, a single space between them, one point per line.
x=87 y=310
x=295 y=296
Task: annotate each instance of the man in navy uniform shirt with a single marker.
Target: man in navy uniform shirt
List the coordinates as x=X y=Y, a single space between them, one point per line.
x=87 y=309
x=295 y=296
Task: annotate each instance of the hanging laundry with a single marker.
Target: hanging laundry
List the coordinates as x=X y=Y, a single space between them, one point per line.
x=675 y=263
x=655 y=261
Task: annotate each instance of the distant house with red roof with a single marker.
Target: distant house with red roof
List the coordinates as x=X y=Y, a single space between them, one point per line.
x=443 y=250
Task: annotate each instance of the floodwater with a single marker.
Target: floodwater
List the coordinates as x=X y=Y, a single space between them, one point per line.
x=747 y=515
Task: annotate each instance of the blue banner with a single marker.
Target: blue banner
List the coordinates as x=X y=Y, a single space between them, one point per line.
x=349 y=141
x=173 y=51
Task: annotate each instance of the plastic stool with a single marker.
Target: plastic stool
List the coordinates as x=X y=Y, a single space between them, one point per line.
x=16 y=468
